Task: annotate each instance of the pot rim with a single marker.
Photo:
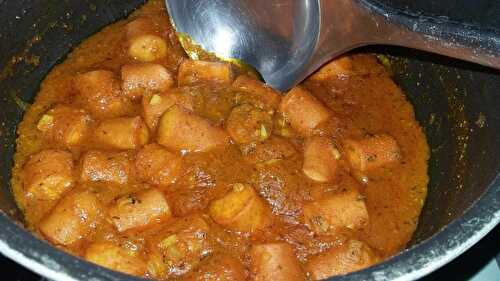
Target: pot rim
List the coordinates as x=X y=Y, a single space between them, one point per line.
x=415 y=262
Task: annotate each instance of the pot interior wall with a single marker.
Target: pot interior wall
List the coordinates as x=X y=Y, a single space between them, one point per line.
x=455 y=102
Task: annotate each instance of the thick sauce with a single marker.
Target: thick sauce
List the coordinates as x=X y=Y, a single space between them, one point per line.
x=229 y=180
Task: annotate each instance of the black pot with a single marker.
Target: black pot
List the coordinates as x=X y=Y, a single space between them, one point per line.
x=455 y=102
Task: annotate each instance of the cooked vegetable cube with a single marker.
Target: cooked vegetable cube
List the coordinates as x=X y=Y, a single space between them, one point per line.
x=303 y=110
x=139 y=210
x=180 y=248
x=155 y=104
x=247 y=123
x=219 y=267
x=65 y=125
x=100 y=94
x=138 y=78
x=48 y=174
x=340 y=67
x=351 y=256
x=320 y=159
x=195 y=71
x=106 y=167
x=156 y=165
x=241 y=209
x=328 y=215
x=115 y=257
x=144 y=41
x=147 y=48
x=372 y=152
x=75 y=217
x=122 y=133
x=255 y=92
x=182 y=130
x=275 y=262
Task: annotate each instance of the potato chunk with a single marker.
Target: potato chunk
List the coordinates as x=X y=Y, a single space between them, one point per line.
x=182 y=130
x=241 y=209
x=372 y=152
x=65 y=125
x=195 y=71
x=100 y=94
x=116 y=258
x=147 y=48
x=351 y=256
x=156 y=165
x=256 y=93
x=179 y=248
x=144 y=41
x=275 y=262
x=139 y=210
x=106 y=167
x=247 y=123
x=48 y=174
x=328 y=215
x=122 y=133
x=339 y=67
x=320 y=159
x=138 y=78
x=219 y=267
x=303 y=111
x=155 y=104
x=75 y=217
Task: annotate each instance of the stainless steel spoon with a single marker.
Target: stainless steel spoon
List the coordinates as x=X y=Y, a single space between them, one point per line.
x=286 y=40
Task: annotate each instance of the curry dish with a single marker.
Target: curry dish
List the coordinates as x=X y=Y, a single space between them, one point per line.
x=141 y=160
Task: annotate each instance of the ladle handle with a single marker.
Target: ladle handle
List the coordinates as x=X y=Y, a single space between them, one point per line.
x=439 y=35
x=364 y=22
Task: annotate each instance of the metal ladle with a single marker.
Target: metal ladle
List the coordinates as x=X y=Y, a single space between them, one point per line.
x=286 y=40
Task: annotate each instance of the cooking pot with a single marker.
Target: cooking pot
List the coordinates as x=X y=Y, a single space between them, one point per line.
x=455 y=102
